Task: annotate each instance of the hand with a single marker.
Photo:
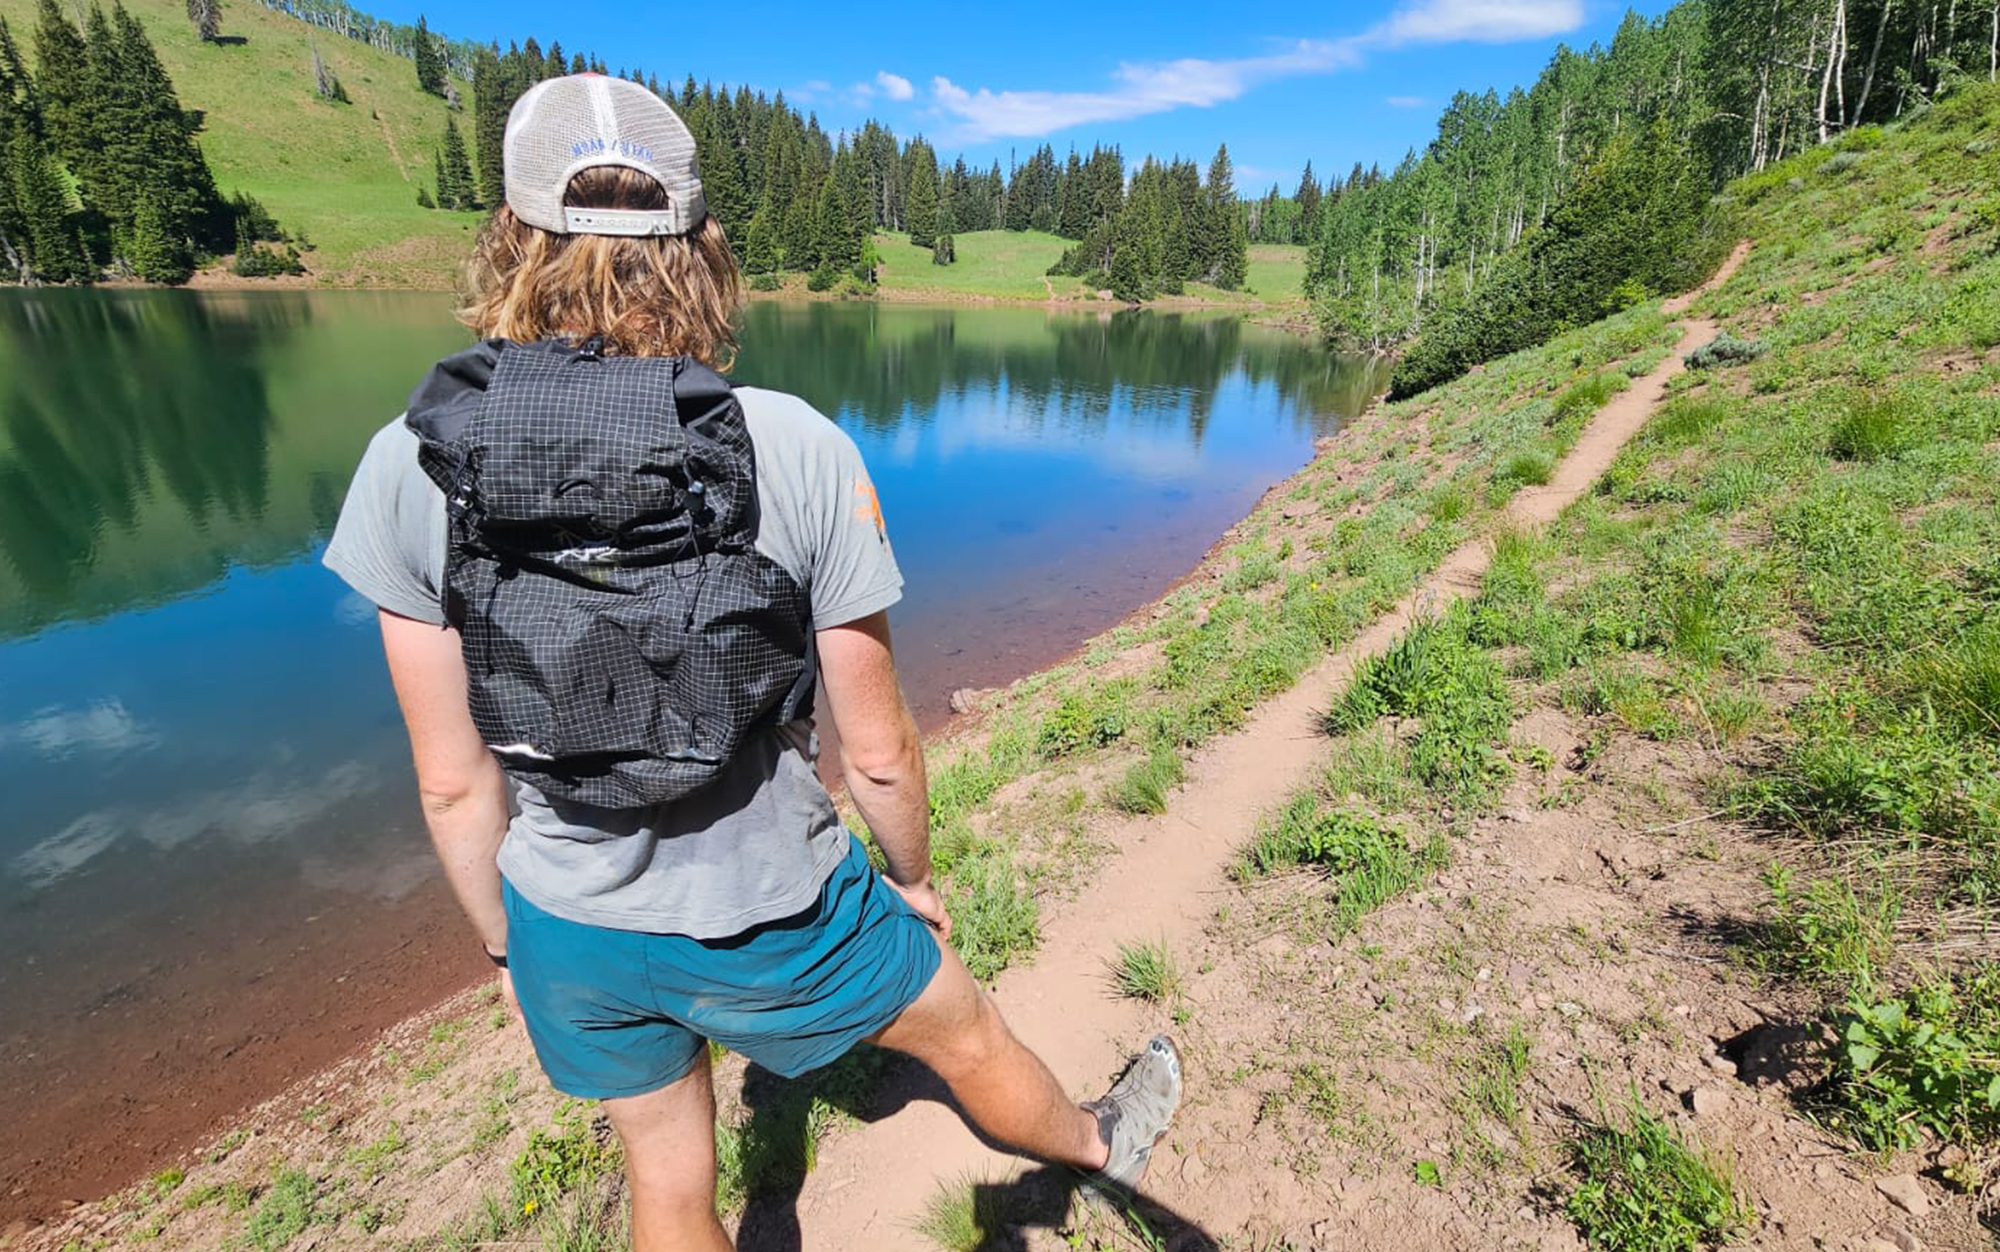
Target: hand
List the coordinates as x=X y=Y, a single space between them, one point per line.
x=507 y=994
x=924 y=898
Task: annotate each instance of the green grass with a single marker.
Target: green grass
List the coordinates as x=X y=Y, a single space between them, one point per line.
x=1000 y=264
x=332 y=170
x=1146 y=971
x=1277 y=272
x=963 y=1216
x=284 y=1211
x=1642 y=1187
x=1146 y=783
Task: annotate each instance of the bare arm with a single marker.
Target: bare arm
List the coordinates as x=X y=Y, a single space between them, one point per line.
x=463 y=791
x=881 y=755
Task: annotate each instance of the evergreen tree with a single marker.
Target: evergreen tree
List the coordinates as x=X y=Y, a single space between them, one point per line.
x=154 y=246
x=429 y=60
x=944 y=251
x=556 y=65
x=207 y=18
x=49 y=246
x=456 y=188
x=920 y=210
x=1073 y=218
x=493 y=94
x=1307 y=197
x=63 y=82
x=760 y=244
x=1228 y=255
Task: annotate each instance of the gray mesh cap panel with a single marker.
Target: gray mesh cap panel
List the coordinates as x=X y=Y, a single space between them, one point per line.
x=562 y=126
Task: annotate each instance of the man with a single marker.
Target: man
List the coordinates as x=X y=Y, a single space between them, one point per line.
x=559 y=604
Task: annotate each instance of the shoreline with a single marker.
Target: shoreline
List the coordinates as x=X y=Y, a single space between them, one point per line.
x=425 y=977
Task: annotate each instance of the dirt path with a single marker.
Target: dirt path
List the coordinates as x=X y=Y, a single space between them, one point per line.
x=1162 y=882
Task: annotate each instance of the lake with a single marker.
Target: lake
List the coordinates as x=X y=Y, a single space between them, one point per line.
x=213 y=877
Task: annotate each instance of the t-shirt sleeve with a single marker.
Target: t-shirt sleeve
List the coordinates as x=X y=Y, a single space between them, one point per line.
x=851 y=569
x=388 y=543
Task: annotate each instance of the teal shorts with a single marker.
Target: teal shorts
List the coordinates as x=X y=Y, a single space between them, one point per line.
x=620 y=1012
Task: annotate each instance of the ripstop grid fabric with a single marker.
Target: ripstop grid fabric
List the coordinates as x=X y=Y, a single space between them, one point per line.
x=621 y=632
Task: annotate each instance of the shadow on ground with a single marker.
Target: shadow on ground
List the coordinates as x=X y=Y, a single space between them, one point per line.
x=786 y=1117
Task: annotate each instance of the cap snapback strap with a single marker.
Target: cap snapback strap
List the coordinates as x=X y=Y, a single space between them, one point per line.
x=636 y=222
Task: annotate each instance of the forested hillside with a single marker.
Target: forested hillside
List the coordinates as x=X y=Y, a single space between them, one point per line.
x=1631 y=137
x=377 y=143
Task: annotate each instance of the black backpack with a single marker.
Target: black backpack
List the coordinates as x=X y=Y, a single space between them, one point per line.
x=621 y=632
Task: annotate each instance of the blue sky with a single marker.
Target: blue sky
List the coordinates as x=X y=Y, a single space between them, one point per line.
x=1280 y=83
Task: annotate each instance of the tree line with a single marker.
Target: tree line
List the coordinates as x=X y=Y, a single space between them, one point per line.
x=793 y=198
x=1592 y=188
x=99 y=168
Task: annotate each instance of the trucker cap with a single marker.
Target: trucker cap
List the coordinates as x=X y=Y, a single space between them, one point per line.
x=562 y=126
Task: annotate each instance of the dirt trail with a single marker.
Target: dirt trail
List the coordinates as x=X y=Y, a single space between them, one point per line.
x=1161 y=882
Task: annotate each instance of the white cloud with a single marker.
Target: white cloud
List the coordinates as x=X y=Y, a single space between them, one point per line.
x=1140 y=89
x=894 y=86
x=57 y=732
x=1478 y=21
x=1137 y=90
x=1404 y=102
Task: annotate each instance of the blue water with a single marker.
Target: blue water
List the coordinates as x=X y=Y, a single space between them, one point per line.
x=197 y=739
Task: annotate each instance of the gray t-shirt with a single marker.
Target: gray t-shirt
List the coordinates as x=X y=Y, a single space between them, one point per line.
x=755 y=845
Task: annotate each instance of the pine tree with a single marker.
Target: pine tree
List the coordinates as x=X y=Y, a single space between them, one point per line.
x=207 y=18
x=491 y=99
x=1307 y=197
x=944 y=251
x=63 y=81
x=760 y=244
x=1228 y=251
x=153 y=247
x=50 y=238
x=456 y=188
x=429 y=59
x=920 y=206
x=555 y=66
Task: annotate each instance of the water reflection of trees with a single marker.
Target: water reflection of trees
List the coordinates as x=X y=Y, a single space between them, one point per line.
x=882 y=366
x=112 y=406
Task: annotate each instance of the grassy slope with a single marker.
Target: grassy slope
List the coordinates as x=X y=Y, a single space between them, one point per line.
x=347 y=174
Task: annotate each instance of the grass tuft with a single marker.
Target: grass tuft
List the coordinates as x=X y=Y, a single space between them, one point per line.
x=1146 y=971
x=962 y=1216
x=1144 y=787
x=1641 y=1187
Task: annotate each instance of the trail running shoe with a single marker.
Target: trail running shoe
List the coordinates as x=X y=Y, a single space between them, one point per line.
x=1135 y=1113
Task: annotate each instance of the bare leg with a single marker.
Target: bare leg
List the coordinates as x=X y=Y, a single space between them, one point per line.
x=669 y=1138
x=955 y=1028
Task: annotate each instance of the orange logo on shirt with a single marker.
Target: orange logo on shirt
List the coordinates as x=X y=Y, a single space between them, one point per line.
x=870 y=509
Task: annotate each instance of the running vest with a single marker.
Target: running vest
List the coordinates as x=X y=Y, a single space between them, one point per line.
x=621 y=632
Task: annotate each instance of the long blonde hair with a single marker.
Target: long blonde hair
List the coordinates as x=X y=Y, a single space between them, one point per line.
x=662 y=295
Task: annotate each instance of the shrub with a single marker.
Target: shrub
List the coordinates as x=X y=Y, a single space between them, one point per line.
x=766 y=282
x=1725 y=349
x=822 y=279
x=1922 y=1061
